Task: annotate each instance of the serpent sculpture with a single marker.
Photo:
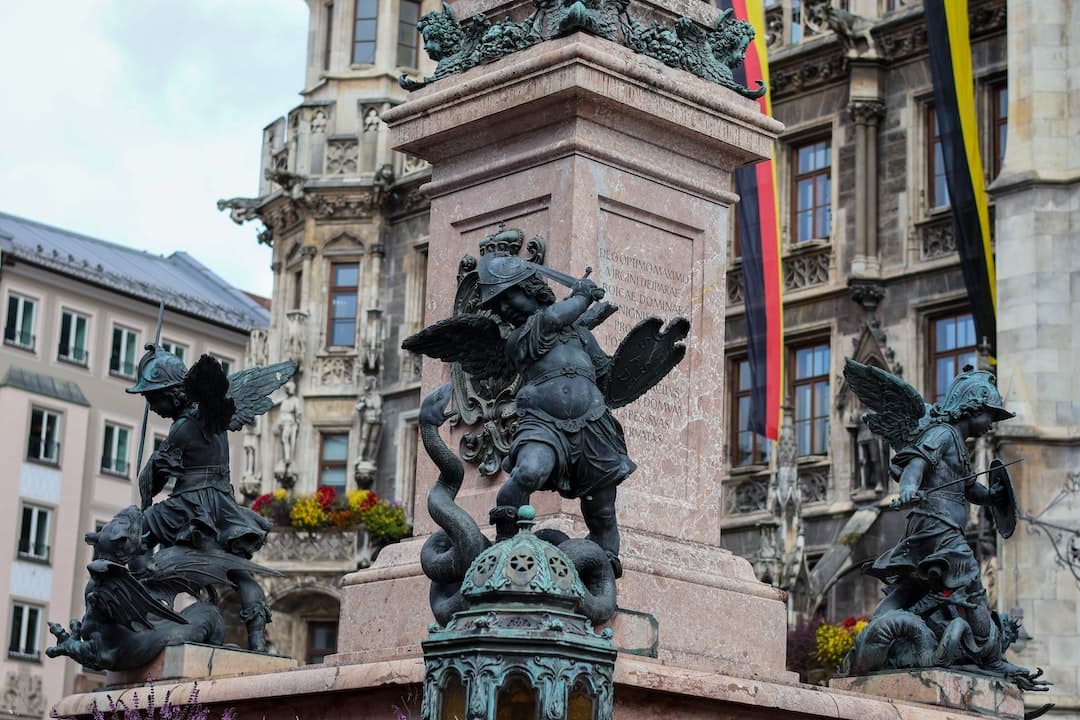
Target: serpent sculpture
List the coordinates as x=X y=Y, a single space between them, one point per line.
x=448 y=553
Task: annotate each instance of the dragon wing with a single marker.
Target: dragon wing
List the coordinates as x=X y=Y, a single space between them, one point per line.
x=645 y=356
x=474 y=341
x=122 y=599
x=250 y=390
x=184 y=569
x=898 y=408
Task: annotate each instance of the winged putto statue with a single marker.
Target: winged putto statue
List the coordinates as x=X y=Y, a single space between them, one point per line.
x=564 y=438
x=935 y=611
x=195 y=538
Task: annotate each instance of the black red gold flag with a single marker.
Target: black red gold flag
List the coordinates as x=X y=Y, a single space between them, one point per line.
x=758 y=227
x=954 y=104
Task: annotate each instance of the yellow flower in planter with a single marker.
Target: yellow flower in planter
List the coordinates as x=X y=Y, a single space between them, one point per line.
x=280 y=494
x=833 y=643
x=307 y=514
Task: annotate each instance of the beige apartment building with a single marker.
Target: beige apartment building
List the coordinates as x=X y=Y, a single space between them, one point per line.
x=77 y=313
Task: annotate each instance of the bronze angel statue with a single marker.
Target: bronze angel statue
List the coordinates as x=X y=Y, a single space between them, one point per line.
x=199 y=522
x=565 y=437
x=935 y=611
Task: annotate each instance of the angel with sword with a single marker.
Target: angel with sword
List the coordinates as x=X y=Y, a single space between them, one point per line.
x=201 y=512
x=932 y=574
x=566 y=438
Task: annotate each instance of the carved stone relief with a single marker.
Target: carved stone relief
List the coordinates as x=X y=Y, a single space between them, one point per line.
x=735 y=287
x=814 y=484
x=749 y=496
x=937 y=240
x=806 y=270
x=341 y=157
x=336 y=371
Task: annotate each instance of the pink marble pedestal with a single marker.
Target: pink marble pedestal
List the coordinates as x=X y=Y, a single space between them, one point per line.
x=946 y=688
x=622 y=164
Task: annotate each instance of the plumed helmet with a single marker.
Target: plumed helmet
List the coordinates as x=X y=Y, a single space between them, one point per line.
x=975 y=389
x=158 y=369
x=499 y=273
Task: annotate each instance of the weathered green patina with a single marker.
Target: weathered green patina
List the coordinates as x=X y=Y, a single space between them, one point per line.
x=709 y=53
x=520 y=640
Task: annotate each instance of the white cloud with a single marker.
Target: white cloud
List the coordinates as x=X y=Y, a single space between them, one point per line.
x=127 y=119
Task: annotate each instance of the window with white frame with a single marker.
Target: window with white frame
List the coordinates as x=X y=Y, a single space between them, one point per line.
x=43 y=440
x=114 y=454
x=25 y=632
x=175 y=348
x=19 y=330
x=34 y=532
x=125 y=346
x=74 y=332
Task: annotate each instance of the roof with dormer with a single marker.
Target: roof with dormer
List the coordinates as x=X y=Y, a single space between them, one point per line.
x=186 y=285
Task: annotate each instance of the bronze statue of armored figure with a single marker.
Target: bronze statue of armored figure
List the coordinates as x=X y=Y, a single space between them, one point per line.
x=192 y=540
x=935 y=612
x=564 y=437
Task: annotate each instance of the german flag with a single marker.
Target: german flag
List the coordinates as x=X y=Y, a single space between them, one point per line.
x=758 y=227
x=954 y=104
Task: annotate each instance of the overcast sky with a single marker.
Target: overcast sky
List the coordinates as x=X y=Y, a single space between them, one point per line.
x=127 y=119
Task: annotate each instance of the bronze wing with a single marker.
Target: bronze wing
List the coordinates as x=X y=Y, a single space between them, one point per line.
x=899 y=409
x=250 y=390
x=474 y=341
x=122 y=599
x=645 y=356
x=184 y=569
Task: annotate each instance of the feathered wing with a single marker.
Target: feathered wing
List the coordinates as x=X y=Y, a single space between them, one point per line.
x=206 y=384
x=250 y=391
x=122 y=599
x=474 y=341
x=645 y=356
x=182 y=569
x=898 y=408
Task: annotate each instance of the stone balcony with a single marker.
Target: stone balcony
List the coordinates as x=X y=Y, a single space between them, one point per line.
x=288 y=550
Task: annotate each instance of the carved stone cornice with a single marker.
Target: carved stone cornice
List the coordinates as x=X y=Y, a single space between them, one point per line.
x=908 y=39
x=866 y=112
x=805 y=72
x=283 y=212
x=866 y=292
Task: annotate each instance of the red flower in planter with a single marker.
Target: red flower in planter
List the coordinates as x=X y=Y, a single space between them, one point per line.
x=326 y=496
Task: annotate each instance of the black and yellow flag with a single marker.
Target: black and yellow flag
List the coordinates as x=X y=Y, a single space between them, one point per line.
x=954 y=105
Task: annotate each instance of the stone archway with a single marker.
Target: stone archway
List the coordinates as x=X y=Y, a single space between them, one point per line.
x=305 y=617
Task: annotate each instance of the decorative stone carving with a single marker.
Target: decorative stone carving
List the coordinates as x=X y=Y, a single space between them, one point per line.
x=294 y=335
x=341 y=157
x=410 y=164
x=336 y=372
x=937 y=240
x=709 y=53
x=257 y=352
x=804 y=270
x=287 y=545
x=865 y=292
x=866 y=112
x=280 y=160
x=814 y=484
x=749 y=496
x=240 y=209
x=288 y=422
x=735 y=287
x=852 y=30
x=369 y=412
x=371 y=120
x=318 y=122
x=23 y=695
x=807 y=73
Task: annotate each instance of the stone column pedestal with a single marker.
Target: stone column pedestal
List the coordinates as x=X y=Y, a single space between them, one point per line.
x=624 y=165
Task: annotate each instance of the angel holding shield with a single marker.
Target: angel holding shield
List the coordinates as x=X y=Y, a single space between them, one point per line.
x=201 y=511
x=932 y=577
x=565 y=438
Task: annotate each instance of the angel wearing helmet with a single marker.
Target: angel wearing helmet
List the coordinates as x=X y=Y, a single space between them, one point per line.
x=566 y=438
x=932 y=577
x=201 y=511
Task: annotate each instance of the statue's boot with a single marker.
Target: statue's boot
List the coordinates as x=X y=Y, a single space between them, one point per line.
x=504 y=518
x=255 y=617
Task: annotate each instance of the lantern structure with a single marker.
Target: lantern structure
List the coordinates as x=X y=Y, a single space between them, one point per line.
x=520 y=649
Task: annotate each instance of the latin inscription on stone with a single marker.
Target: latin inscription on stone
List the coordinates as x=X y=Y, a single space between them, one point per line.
x=648 y=272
